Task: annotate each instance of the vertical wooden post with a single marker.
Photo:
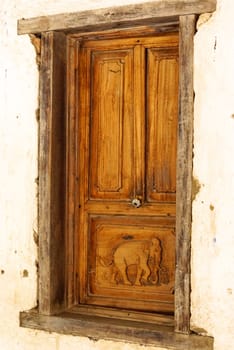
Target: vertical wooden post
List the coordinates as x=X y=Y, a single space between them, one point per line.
x=71 y=164
x=52 y=173
x=184 y=175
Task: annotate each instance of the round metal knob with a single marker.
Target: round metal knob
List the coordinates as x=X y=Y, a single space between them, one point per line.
x=136 y=203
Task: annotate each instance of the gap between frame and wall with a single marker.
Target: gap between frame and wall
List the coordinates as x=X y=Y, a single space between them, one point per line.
x=54 y=296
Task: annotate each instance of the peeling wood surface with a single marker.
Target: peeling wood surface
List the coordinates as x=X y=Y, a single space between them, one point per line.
x=115 y=15
x=96 y=328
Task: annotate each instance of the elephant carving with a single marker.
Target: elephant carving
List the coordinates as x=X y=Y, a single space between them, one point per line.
x=141 y=258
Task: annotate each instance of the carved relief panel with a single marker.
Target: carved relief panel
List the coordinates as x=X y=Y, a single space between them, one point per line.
x=132 y=258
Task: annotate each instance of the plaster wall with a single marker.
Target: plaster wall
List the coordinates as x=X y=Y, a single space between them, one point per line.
x=213 y=219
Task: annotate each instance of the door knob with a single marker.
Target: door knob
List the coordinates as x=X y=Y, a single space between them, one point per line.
x=136 y=203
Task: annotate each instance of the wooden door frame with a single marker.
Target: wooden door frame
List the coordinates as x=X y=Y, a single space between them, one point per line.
x=53 y=268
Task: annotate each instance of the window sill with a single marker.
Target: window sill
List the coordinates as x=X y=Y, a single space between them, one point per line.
x=97 y=327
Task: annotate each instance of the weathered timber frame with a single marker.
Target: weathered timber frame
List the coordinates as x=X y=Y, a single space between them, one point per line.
x=55 y=287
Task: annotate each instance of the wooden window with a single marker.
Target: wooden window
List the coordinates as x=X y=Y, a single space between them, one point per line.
x=115 y=173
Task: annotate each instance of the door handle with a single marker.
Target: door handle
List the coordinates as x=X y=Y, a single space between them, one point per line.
x=136 y=203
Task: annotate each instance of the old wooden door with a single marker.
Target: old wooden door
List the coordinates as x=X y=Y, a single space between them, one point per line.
x=126 y=165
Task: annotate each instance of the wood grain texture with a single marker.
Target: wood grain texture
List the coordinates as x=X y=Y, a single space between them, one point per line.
x=184 y=175
x=52 y=173
x=112 y=329
x=115 y=15
x=132 y=263
x=162 y=94
x=71 y=130
x=121 y=314
x=125 y=258
x=110 y=153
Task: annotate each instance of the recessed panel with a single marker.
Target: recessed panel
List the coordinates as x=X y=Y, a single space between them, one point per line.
x=111 y=125
x=162 y=112
x=133 y=259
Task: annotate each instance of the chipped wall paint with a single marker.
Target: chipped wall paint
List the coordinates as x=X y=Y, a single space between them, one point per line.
x=213 y=220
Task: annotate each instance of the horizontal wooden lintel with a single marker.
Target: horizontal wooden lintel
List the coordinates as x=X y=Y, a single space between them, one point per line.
x=115 y=15
x=96 y=328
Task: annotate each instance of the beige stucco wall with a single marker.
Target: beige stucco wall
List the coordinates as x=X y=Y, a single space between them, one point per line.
x=213 y=208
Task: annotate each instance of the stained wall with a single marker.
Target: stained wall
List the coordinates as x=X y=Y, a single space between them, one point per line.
x=213 y=219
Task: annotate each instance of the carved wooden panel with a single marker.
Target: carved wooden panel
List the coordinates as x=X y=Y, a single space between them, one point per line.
x=110 y=126
x=132 y=262
x=162 y=94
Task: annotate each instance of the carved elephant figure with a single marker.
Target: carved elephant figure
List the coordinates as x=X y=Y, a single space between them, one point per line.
x=144 y=254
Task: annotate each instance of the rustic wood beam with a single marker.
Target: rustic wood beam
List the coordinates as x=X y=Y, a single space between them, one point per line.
x=52 y=173
x=112 y=329
x=115 y=15
x=184 y=176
